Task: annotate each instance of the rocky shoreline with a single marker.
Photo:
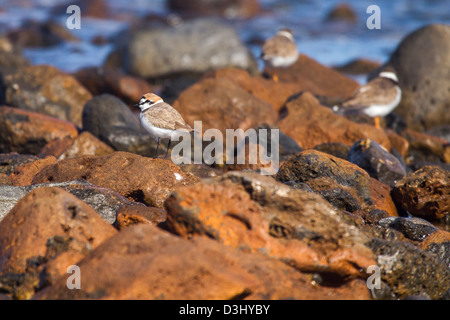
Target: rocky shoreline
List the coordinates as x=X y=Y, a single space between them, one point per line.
x=79 y=185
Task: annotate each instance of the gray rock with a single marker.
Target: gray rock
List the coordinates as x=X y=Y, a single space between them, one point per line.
x=10 y=161
x=192 y=47
x=9 y=195
x=110 y=120
x=424 y=77
x=377 y=161
x=410 y=271
x=104 y=201
x=412 y=228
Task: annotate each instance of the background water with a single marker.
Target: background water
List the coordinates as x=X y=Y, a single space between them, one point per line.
x=329 y=43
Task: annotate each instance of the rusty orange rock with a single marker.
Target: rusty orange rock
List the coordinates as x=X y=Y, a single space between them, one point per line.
x=45 y=214
x=311 y=124
x=86 y=144
x=380 y=194
x=316 y=78
x=425 y=193
x=222 y=104
x=257 y=214
x=24 y=174
x=27 y=132
x=47 y=90
x=138 y=178
x=129 y=215
x=275 y=93
x=169 y=267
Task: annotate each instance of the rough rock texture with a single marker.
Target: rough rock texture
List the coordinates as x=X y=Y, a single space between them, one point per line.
x=24 y=174
x=425 y=193
x=110 y=120
x=415 y=229
x=138 y=178
x=47 y=90
x=257 y=214
x=27 y=132
x=425 y=88
x=10 y=161
x=86 y=144
x=438 y=243
x=315 y=78
x=409 y=271
x=202 y=45
x=105 y=202
x=129 y=215
x=377 y=161
x=343 y=184
x=227 y=8
x=30 y=230
x=321 y=125
x=424 y=148
x=222 y=104
x=169 y=267
x=380 y=194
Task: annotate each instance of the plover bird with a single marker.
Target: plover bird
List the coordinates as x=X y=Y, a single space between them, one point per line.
x=280 y=50
x=161 y=120
x=377 y=98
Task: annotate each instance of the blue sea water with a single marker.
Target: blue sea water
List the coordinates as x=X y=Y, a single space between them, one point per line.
x=329 y=43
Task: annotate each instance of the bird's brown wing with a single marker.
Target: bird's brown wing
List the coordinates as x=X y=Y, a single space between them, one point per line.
x=278 y=46
x=378 y=91
x=165 y=116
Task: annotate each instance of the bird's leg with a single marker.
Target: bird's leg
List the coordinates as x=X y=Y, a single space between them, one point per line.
x=157 y=147
x=168 y=147
x=377 y=122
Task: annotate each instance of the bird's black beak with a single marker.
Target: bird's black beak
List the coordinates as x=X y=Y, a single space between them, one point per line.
x=136 y=105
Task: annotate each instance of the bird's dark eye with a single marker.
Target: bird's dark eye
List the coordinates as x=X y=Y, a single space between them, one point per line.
x=151 y=101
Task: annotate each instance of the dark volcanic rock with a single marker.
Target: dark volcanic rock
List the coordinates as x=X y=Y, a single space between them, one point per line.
x=425 y=88
x=425 y=193
x=438 y=243
x=110 y=120
x=415 y=229
x=343 y=184
x=377 y=161
x=336 y=149
x=409 y=270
